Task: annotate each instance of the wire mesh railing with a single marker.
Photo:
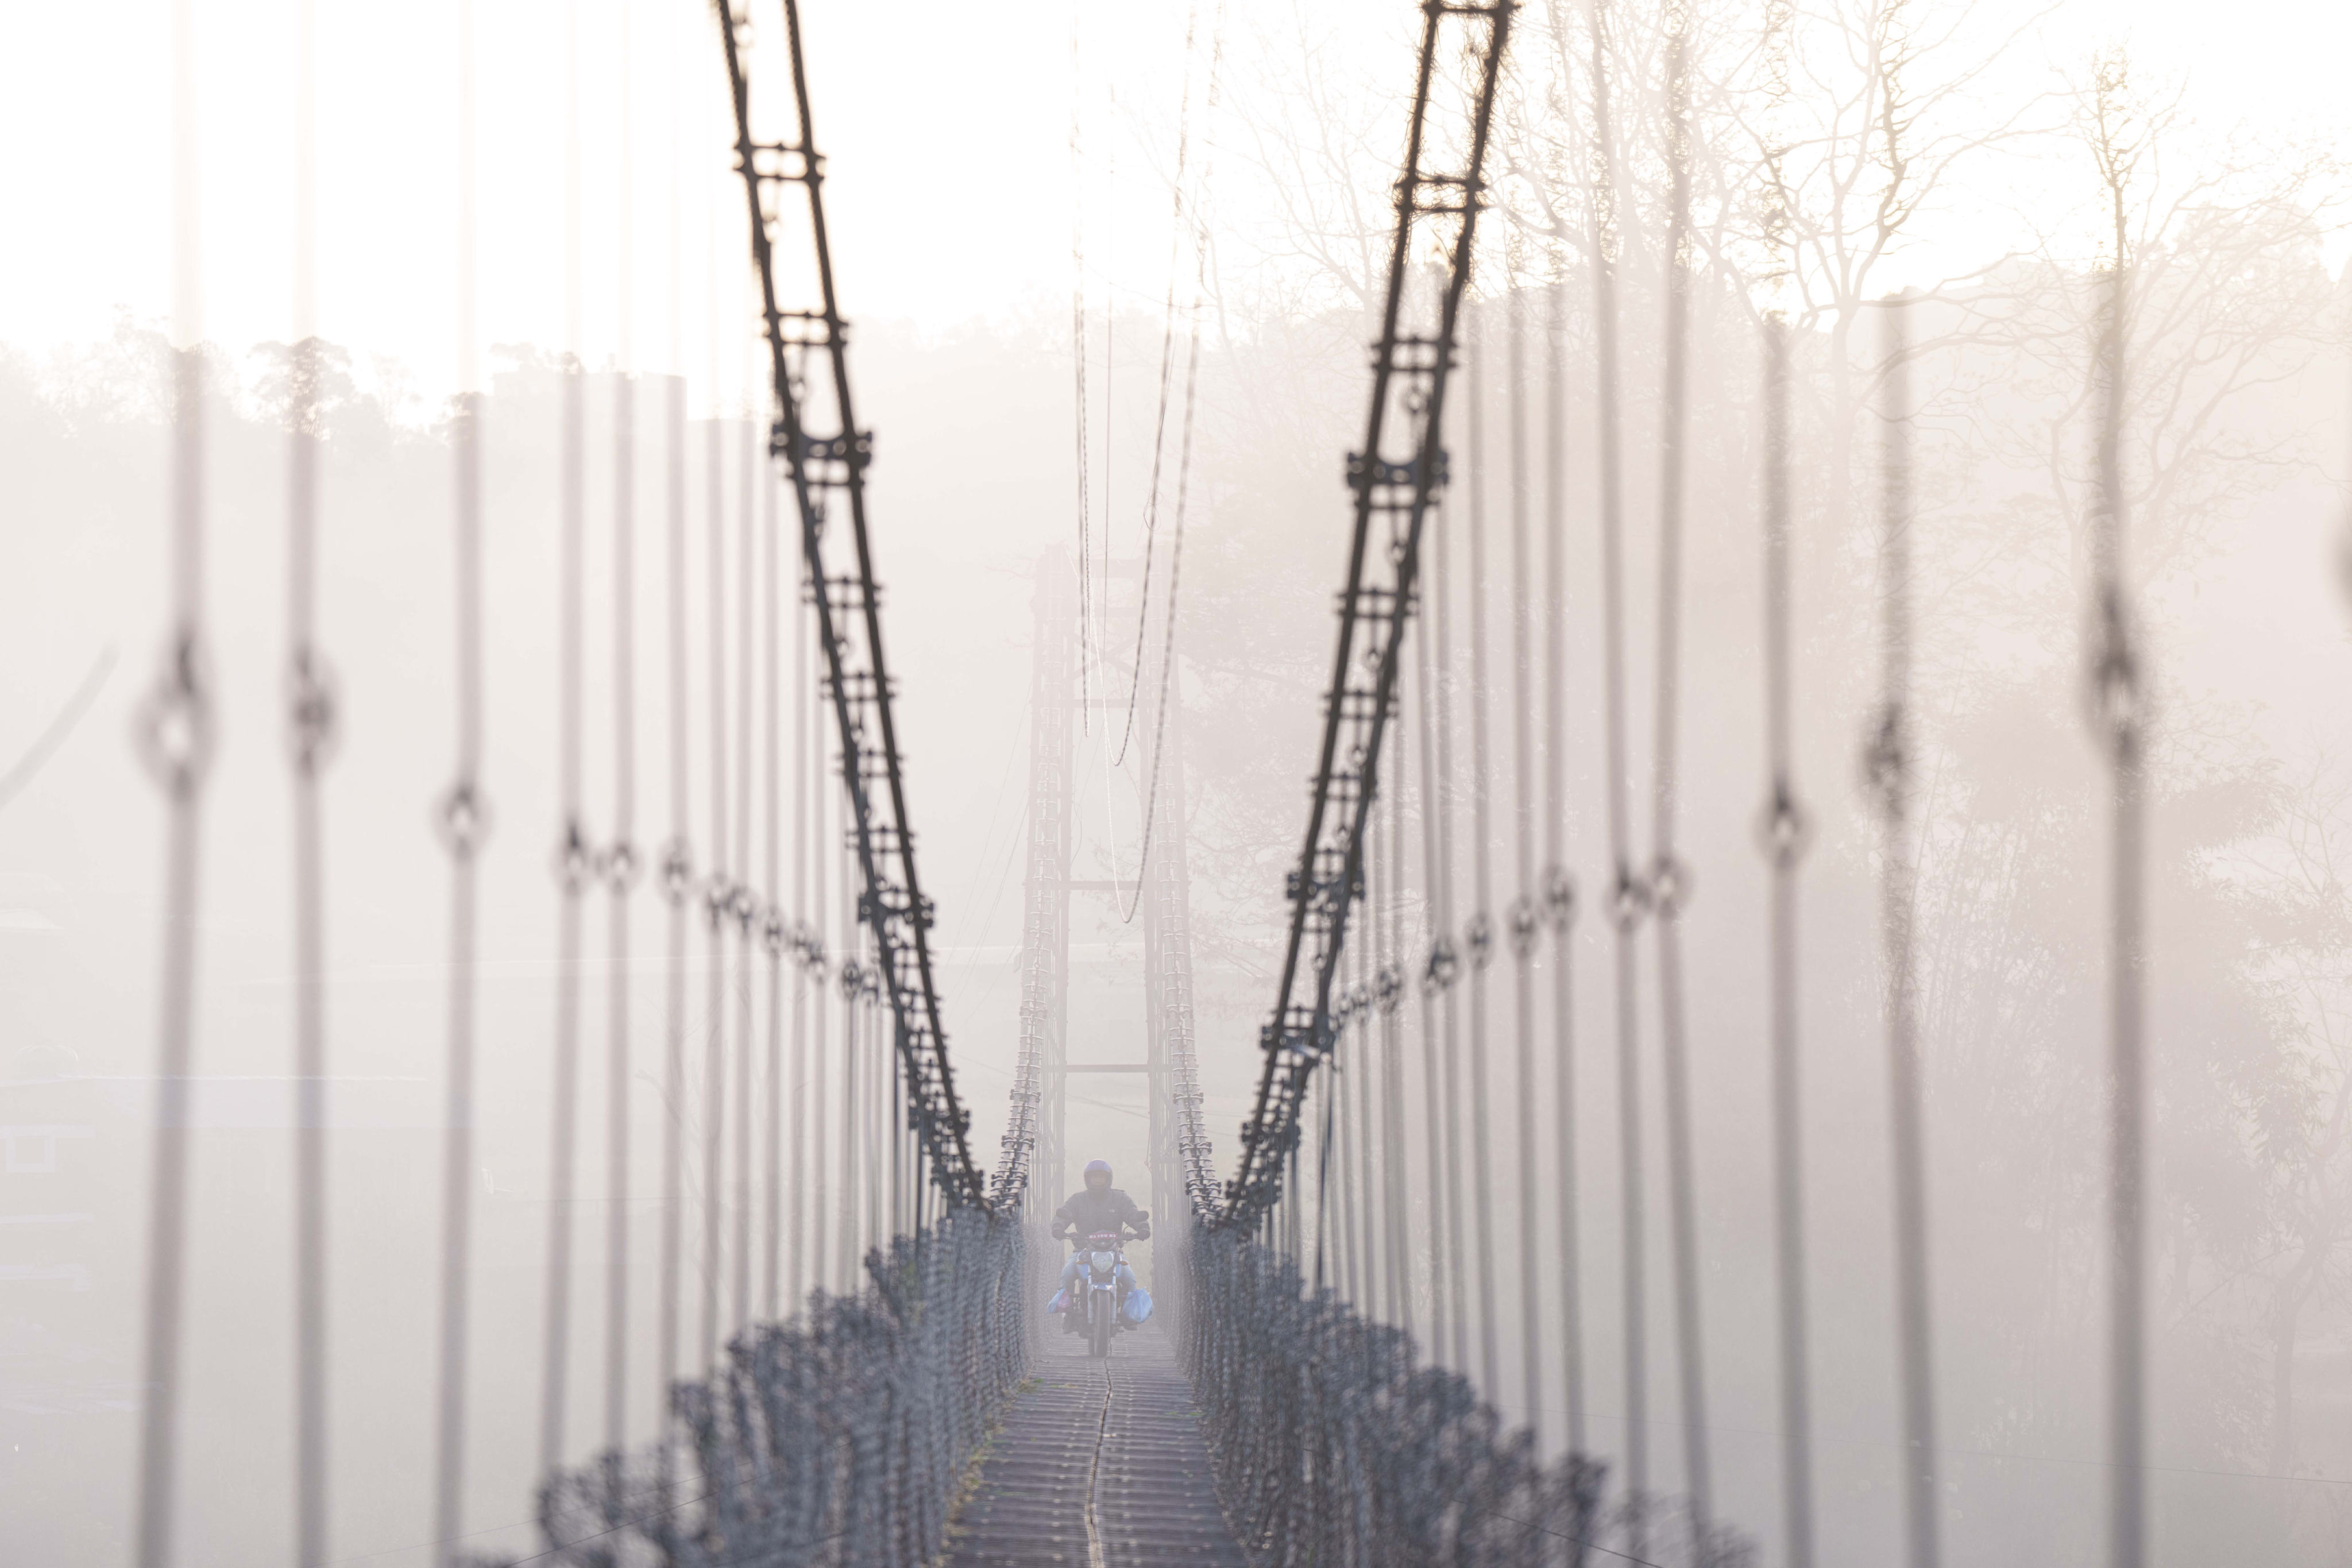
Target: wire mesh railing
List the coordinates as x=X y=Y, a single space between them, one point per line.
x=842 y=1437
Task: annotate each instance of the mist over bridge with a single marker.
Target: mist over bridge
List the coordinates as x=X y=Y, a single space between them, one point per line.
x=1453 y=1287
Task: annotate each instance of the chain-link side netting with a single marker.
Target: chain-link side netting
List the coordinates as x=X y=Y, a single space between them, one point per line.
x=1334 y=1446
x=839 y=1439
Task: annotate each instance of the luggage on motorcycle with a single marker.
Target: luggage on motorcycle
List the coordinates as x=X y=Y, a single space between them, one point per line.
x=1061 y=1301
x=1138 y=1307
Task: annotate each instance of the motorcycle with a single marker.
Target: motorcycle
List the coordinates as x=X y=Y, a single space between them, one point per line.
x=1103 y=1295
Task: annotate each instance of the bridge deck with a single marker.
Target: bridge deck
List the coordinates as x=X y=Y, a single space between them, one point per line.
x=1101 y=1465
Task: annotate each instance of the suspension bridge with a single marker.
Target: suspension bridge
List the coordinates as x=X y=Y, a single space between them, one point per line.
x=1361 y=1355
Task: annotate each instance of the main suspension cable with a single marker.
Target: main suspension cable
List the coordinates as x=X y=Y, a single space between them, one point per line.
x=1176 y=231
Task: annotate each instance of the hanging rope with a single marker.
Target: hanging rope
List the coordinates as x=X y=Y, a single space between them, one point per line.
x=677 y=860
x=1438 y=972
x=1169 y=692
x=177 y=738
x=771 y=920
x=575 y=861
x=1559 y=891
x=744 y=905
x=464 y=819
x=1521 y=921
x=2118 y=697
x=1177 y=227
x=621 y=861
x=1888 y=765
x=1629 y=894
x=1669 y=879
x=1787 y=833
x=1479 y=939
x=310 y=738
x=718 y=894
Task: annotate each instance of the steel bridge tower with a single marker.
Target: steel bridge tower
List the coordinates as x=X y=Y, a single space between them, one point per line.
x=1046 y=900
x=1174 y=1150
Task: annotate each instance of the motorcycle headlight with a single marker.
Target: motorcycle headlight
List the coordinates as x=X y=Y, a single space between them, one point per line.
x=1105 y=1260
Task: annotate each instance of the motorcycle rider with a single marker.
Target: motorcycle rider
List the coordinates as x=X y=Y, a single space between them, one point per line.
x=1096 y=1209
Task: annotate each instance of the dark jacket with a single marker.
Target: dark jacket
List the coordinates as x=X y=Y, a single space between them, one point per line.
x=1090 y=1212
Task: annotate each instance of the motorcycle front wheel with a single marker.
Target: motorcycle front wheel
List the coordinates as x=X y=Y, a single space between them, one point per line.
x=1105 y=1317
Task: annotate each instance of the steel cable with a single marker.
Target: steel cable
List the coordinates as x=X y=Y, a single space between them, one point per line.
x=462 y=823
x=744 y=905
x=573 y=861
x=1629 y=893
x=1522 y=919
x=1888 y=765
x=1454 y=1262
x=311 y=719
x=1479 y=937
x=176 y=736
x=718 y=894
x=1559 y=893
x=1786 y=832
x=620 y=863
x=1669 y=879
x=1389 y=872
x=771 y=920
x=1435 y=972
x=2117 y=680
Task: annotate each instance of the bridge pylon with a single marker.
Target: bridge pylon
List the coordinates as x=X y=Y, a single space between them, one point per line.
x=1177 y=1155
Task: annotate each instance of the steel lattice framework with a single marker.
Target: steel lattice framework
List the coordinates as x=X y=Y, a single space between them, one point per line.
x=1410 y=364
x=823 y=469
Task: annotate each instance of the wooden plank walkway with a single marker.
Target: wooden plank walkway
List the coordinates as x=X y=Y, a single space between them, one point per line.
x=1099 y=1465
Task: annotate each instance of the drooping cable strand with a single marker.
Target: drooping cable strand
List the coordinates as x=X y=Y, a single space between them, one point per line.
x=573 y=859
x=1669 y=884
x=676 y=883
x=817 y=781
x=1398 y=1276
x=1177 y=227
x=176 y=730
x=1628 y=893
x=311 y=722
x=1479 y=935
x=2118 y=697
x=1559 y=891
x=677 y=866
x=804 y=940
x=1888 y=764
x=621 y=858
x=1084 y=407
x=1436 y=972
x=751 y=471
x=1785 y=833
x=853 y=971
x=718 y=894
x=1168 y=689
x=464 y=817
x=1456 y=1268
x=1522 y=922
x=771 y=922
